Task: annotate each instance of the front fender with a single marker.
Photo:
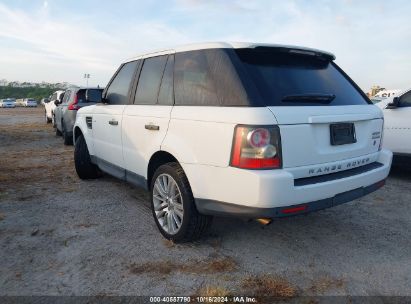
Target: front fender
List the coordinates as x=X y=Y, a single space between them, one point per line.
x=81 y=126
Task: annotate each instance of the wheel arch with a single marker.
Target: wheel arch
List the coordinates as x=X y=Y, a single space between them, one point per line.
x=157 y=159
x=77 y=132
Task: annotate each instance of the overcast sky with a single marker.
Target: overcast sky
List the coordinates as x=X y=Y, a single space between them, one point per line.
x=60 y=40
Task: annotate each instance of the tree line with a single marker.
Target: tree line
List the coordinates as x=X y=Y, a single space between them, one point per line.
x=31 y=92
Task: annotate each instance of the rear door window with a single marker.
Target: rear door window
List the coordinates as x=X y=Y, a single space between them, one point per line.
x=279 y=76
x=149 y=81
x=117 y=92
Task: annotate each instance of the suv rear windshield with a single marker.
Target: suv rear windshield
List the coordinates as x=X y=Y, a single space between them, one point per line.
x=292 y=79
x=81 y=94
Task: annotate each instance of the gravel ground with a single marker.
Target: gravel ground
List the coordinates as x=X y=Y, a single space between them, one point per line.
x=63 y=236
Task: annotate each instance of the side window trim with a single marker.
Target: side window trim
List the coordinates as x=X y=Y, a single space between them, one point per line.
x=136 y=78
x=170 y=57
x=161 y=81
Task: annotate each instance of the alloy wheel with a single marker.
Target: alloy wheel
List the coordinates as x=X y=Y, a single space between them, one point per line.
x=168 y=203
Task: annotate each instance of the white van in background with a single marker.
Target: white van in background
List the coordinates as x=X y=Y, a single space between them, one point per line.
x=384 y=94
x=387 y=94
x=397 y=125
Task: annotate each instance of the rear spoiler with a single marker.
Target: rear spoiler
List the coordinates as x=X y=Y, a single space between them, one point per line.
x=301 y=51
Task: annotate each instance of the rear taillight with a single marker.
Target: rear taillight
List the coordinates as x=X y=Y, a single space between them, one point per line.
x=256 y=147
x=74 y=104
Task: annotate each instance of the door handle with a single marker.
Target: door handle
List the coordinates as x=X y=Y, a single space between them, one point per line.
x=113 y=122
x=152 y=127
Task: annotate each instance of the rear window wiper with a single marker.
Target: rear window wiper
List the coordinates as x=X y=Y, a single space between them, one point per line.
x=323 y=98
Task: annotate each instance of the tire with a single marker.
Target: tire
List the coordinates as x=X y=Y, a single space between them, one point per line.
x=192 y=224
x=84 y=167
x=68 y=141
x=58 y=133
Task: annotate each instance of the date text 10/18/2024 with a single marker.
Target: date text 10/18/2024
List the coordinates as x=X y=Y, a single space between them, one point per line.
x=199 y=299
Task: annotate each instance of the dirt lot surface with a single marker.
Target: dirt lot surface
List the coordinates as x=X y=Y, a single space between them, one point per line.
x=63 y=236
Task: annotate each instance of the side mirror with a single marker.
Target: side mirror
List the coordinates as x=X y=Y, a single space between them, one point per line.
x=94 y=95
x=46 y=100
x=394 y=104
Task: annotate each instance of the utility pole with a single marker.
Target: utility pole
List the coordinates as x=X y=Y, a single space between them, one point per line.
x=87 y=76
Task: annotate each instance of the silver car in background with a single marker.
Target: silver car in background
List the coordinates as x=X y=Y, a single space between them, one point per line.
x=66 y=110
x=8 y=103
x=30 y=102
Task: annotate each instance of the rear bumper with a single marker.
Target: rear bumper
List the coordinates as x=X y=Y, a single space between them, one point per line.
x=211 y=207
x=267 y=192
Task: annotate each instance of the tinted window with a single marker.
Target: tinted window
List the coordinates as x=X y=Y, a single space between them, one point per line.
x=92 y=93
x=150 y=79
x=207 y=78
x=405 y=100
x=166 y=94
x=278 y=74
x=117 y=92
x=66 y=96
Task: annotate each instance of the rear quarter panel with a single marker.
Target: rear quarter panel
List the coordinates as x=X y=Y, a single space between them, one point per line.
x=201 y=138
x=204 y=135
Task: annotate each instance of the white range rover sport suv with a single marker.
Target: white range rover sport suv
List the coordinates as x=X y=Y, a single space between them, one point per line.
x=251 y=130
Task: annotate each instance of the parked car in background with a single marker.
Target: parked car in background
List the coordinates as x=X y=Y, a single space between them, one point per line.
x=19 y=102
x=397 y=126
x=250 y=130
x=8 y=103
x=30 y=102
x=50 y=106
x=66 y=110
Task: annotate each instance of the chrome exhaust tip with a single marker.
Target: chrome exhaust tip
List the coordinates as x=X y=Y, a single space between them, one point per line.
x=264 y=221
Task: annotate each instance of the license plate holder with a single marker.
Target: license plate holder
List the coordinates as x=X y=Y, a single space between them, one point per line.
x=342 y=134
